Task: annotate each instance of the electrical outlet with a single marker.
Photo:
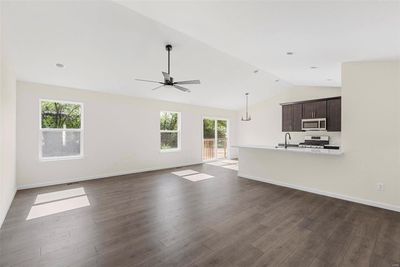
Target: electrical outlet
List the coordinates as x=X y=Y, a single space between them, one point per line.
x=380 y=187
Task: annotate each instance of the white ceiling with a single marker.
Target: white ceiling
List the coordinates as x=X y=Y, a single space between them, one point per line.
x=104 y=46
x=320 y=33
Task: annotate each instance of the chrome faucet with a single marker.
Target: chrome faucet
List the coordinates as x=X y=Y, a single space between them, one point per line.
x=290 y=138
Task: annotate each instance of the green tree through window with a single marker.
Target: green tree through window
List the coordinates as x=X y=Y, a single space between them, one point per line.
x=61 y=129
x=58 y=115
x=209 y=128
x=169 y=128
x=168 y=121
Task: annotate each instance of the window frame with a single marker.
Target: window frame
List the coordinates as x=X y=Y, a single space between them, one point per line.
x=80 y=130
x=178 y=131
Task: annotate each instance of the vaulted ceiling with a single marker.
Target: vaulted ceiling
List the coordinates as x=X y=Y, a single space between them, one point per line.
x=105 y=45
x=320 y=34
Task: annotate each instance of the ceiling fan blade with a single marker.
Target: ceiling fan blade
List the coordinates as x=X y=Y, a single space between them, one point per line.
x=141 y=80
x=166 y=76
x=158 y=87
x=188 y=82
x=183 y=89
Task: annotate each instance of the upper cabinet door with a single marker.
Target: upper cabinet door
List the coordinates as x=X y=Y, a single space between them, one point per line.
x=287 y=118
x=334 y=118
x=308 y=110
x=314 y=109
x=320 y=109
x=291 y=117
x=297 y=116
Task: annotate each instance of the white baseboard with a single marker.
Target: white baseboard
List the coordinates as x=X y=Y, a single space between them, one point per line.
x=107 y=175
x=325 y=193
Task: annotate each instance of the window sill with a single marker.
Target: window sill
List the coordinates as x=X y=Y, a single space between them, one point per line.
x=60 y=158
x=170 y=150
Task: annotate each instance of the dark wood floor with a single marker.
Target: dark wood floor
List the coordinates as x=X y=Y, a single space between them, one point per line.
x=159 y=219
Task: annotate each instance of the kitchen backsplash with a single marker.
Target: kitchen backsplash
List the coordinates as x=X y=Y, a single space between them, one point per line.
x=297 y=137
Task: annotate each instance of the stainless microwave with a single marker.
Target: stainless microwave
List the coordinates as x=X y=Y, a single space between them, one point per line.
x=313 y=124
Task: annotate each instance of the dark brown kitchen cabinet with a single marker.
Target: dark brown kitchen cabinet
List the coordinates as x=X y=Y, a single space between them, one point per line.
x=314 y=109
x=287 y=118
x=334 y=115
x=294 y=112
x=297 y=116
x=291 y=118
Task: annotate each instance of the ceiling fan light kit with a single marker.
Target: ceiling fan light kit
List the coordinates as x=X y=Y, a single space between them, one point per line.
x=168 y=80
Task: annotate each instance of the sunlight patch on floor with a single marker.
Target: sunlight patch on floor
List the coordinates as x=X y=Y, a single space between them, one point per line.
x=216 y=163
x=184 y=172
x=192 y=175
x=198 y=177
x=234 y=167
x=52 y=196
x=226 y=163
x=230 y=161
x=59 y=201
x=57 y=207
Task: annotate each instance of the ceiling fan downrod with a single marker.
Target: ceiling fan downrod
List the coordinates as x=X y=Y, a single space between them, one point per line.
x=168 y=47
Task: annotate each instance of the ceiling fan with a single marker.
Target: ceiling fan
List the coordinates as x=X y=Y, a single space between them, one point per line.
x=168 y=80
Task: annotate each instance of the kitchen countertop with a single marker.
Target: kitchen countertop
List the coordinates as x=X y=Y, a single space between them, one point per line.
x=295 y=149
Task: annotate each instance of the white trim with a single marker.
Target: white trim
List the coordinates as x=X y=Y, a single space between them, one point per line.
x=107 y=175
x=61 y=158
x=80 y=130
x=171 y=150
x=324 y=193
x=61 y=101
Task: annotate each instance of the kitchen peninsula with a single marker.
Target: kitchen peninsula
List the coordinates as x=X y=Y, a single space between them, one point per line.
x=313 y=170
x=313 y=162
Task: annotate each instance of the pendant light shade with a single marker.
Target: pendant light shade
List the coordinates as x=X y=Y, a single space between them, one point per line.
x=248 y=117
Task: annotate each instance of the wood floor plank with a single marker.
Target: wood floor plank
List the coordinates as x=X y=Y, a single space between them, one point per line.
x=359 y=252
x=242 y=254
x=160 y=219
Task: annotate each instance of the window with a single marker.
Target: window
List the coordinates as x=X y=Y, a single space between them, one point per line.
x=60 y=130
x=169 y=130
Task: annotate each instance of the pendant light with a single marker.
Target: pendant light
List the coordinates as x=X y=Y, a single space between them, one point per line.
x=248 y=117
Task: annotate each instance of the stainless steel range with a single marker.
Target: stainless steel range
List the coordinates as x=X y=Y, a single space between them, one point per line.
x=315 y=141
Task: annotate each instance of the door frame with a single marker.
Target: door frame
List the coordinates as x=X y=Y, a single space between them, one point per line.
x=216 y=137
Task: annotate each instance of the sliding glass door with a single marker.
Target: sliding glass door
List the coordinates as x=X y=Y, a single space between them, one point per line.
x=215 y=139
x=222 y=139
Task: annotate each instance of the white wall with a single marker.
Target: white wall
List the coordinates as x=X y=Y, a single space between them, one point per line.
x=371 y=93
x=370 y=139
x=7 y=133
x=121 y=135
x=265 y=128
x=8 y=140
